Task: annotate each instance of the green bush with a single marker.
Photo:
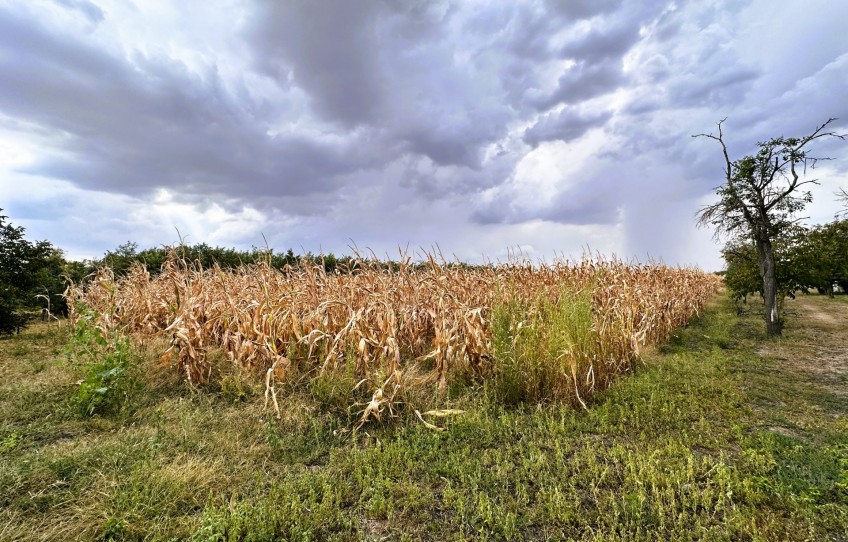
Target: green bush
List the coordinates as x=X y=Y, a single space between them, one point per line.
x=334 y=391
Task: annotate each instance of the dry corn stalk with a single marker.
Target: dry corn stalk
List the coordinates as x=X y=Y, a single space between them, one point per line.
x=433 y=317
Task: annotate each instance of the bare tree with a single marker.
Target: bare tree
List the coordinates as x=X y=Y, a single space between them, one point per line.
x=842 y=195
x=759 y=200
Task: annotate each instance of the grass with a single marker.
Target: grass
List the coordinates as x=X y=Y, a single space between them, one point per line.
x=714 y=437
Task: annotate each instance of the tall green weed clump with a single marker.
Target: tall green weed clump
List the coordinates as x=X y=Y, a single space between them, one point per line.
x=106 y=361
x=544 y=347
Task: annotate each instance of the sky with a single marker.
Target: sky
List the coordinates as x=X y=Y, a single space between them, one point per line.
x=478 y=128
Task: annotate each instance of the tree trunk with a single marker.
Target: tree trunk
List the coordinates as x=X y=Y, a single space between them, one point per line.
x=765 y=254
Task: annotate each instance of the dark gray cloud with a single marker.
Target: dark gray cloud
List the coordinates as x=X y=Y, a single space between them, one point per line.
x=602 y=44
x=564 y=125
x=581 y=82
x=596 y=56
x=131 y=127
x=581 y=9
x=328 y=48
x=386 y=66
x=726 y=86
x=589 y=203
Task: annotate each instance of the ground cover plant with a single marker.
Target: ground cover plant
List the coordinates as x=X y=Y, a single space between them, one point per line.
x=397 y=335
x=719 y=434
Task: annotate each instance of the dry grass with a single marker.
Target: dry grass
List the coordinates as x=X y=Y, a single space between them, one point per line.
x=399 y=329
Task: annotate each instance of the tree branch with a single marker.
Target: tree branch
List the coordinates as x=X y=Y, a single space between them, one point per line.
x=793 y=157
x=740 y=255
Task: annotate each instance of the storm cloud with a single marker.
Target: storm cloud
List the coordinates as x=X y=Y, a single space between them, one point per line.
x=472 y=125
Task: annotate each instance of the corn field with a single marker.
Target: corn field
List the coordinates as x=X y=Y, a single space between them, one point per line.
x=402 y=326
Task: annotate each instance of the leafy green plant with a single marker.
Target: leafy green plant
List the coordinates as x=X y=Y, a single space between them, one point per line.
x=334 y=391
x=105 y=359
x=113 y=529
x=10 y=442
x=237 y=386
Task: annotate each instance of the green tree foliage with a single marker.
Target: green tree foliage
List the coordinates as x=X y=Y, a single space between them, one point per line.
x=742 y=276
x=821 y=258
x=804 y=258
x=121 y=259
x=30 y=277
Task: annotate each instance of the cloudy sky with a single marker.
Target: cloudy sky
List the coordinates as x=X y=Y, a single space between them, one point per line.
x=480 y=127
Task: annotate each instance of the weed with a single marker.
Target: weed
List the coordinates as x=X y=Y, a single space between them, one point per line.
x=10 y=442
x=542 y=345
x=106 y=361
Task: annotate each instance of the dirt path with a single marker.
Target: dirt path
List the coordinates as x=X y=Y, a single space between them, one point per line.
x=816 y=345
x=822 y=312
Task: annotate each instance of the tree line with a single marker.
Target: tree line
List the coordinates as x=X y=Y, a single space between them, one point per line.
x=30 y=278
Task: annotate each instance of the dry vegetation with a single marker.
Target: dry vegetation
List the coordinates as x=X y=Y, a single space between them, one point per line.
x=564 y=330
